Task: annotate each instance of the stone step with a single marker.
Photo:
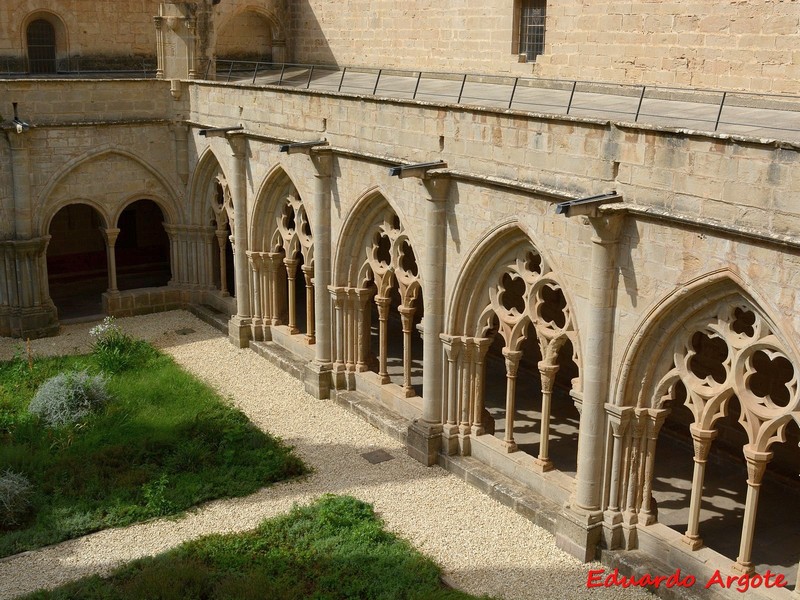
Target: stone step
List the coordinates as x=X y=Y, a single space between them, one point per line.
x=374 y=413
x=211 y=316
x=281 y=357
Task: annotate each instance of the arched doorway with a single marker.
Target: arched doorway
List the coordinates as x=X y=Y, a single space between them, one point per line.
x=142 y=248
x=41 y=39
x=77 y=267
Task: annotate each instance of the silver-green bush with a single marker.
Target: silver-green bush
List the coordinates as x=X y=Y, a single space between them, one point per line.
x=69 y=398
x=15 y=492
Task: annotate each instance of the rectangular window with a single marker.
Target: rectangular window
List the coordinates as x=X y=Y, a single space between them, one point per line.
x=531 y=28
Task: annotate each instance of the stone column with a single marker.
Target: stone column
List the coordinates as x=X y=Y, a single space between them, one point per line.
x=318 y=373
x=481 y=346
x=110 y=234
x=618 y=418
x=548 y=376
x=239 y=325
x=308 y=274
x=580 y=531
x=756 y=466
x=512 y=365
x=337 y=296
x=407 y=320
x=159 y=21
x=364 y=323
x=655 y=419
x=383 y=304
x=452 y=349
x=255 y=273
x=702 y=439
x=222 y=239
x=424 y=436
x=291 y=272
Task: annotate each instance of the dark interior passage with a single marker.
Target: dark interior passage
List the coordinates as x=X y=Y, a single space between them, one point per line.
x=77 y=264
x=142 y=248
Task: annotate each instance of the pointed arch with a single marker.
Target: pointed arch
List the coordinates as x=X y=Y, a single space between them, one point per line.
x=250 y=31
x=169 y=203
x=201 y=188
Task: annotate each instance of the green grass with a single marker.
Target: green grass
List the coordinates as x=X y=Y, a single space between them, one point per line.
x=164 y=443
x=335 y=548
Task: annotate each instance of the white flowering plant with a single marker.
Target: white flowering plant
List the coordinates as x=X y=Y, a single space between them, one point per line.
x=113 y=349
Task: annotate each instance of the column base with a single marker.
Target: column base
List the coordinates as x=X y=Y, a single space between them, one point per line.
x=318 y=380
x=450 y=440
x=542 y=466
x=693 y=542
x=743 y=568
x=423 y=442
x=239 y=331
x=34 y=322
x=579 y=533
x=612 y=530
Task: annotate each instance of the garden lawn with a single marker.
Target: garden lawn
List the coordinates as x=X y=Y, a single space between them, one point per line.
x=334 y=548
x=165 y=442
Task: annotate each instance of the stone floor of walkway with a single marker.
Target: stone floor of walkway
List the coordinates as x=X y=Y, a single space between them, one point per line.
x=482 y=546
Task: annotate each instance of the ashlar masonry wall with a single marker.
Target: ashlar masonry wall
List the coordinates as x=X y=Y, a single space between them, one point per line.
x=718 y=44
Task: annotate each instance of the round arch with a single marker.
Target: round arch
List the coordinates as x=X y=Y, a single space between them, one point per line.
x=53 y=209
x=60 y=40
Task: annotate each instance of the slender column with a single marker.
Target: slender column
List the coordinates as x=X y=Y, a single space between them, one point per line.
x=255 y=273
x=634 y=465
x=756 y=466
x=364 y=318
x=110 y=236
x=291 y=272
x=618 y=417
x=596 y=360
x=273 y=260
x=337 y=294
x=465 y=404
x=481 y=346
x=452 y=349
x=159 y=20
x=222 y=239
x=512 y=364
x=407 y=320
x=238 y=190
x=548 y=377
x=321 y=228
x=702 y=439
x=655 y=419
x=383 y=316
x=308 y=274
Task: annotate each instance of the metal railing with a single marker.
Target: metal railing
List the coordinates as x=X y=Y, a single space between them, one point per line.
x=76 y=66
x=744 y=113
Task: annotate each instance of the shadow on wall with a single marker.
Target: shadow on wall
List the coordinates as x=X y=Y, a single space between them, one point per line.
x=307 y=38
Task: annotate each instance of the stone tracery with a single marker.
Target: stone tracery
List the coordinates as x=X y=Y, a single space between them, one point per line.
x=728 y=353
x=523 y=299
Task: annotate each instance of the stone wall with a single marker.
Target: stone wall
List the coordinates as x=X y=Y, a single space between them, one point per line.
x=84 y=28
x=720 y=44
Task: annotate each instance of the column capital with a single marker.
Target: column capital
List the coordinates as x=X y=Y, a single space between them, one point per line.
x=607 y=228
x=437 y=188
x=756 y=464
x=238 y=145
x=110 y=234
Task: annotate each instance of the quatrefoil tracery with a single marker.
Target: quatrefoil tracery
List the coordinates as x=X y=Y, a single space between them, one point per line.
x=731 y=352
x=525 y=293
x=293 y=230
x=390 y=256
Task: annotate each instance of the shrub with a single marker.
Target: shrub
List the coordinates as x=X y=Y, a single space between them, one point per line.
x=114 y=350
x=69 y=398
x=15 y=492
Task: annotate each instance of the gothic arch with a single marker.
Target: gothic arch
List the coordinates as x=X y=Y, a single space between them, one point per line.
x=507 y=248
x=713 y=347
x=376 y=269
x=204 y=178
x=282 y=258
x=168 y=204
x=372 y=211
x=508 y=305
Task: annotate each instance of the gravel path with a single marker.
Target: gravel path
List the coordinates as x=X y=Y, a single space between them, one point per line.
x=483 y=546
